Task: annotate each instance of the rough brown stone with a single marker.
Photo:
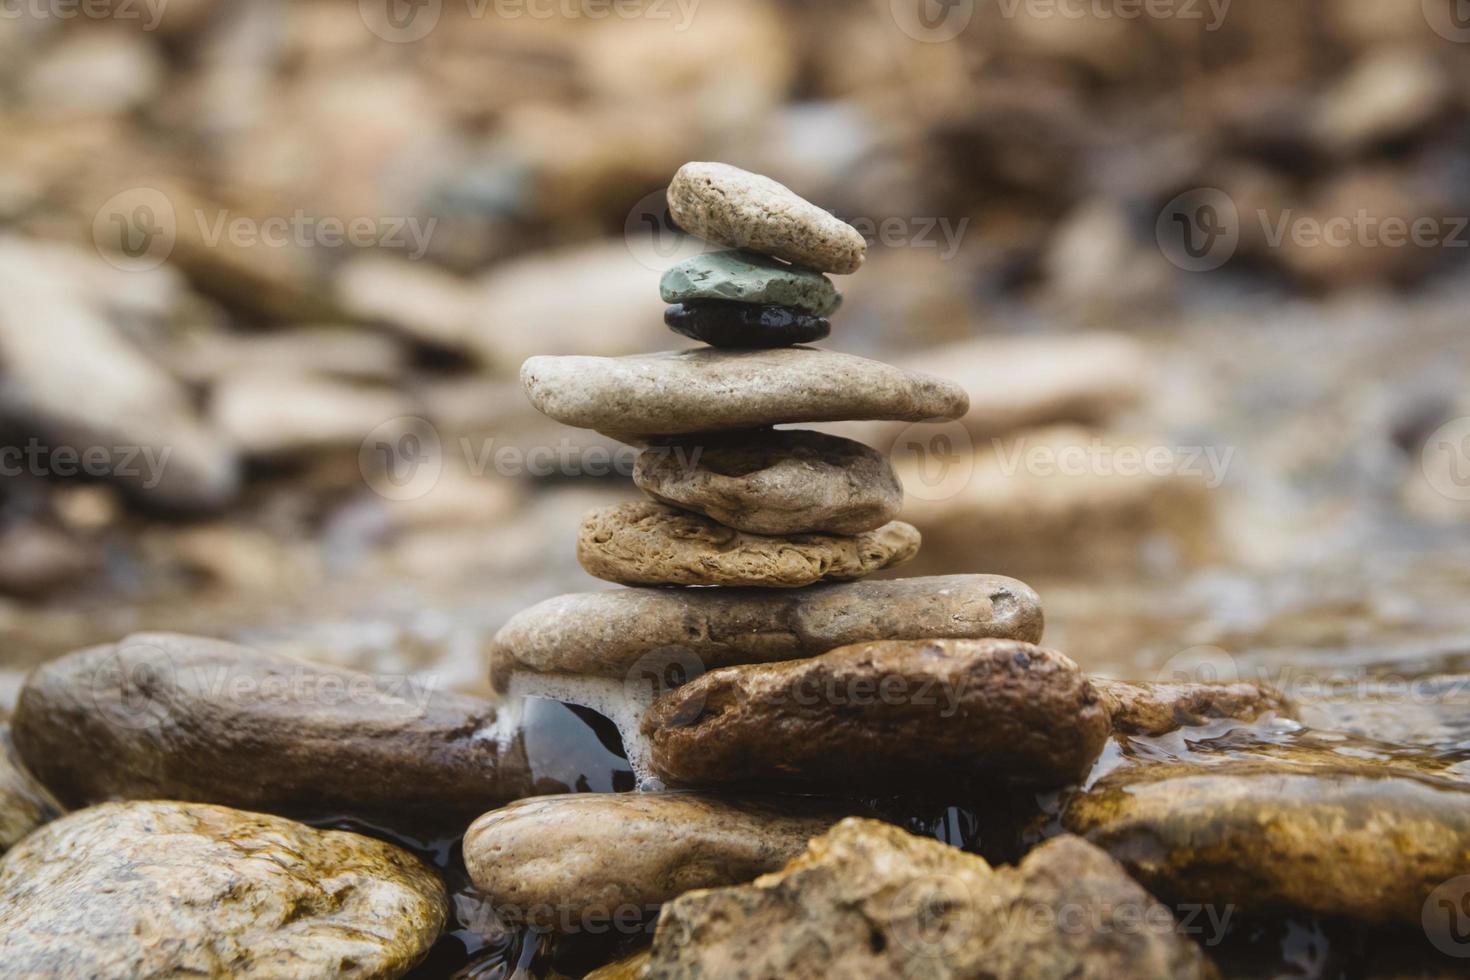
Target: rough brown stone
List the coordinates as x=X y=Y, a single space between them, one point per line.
x=733 y=207
x=152 y=889
x=1154 y=709
x=869 y=900
x=583 y=861
x=647 y=543
x=166 y=716
x=890 y=714
x=1362 y=840
x=774 y=482
x=707 y=390
x=607 y=634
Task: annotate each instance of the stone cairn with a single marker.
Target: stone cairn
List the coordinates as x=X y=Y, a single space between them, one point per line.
x=773 y=517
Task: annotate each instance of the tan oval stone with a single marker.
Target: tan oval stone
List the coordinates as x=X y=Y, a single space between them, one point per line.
x=867 y=899
x=582 y=861
x=152 y=889
x=739 y=209
x=647 y=543
x=774 y=482
x=606 y=634
x=708 y=390
x=884 y=715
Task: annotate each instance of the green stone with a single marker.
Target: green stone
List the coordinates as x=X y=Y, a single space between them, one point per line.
x=746 y=277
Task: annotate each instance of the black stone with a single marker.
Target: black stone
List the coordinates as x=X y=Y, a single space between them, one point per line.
x=747 y=326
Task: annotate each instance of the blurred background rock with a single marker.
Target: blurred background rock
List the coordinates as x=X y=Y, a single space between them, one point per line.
x=279 y=262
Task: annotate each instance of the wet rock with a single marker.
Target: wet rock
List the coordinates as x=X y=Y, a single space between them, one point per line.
x=606 y=634
x=647 y=543
x=167 y=716
x=888 y=714
x=703 y=390
x=868 y=900
x=183 y=889
x=779 y=482
x=24 y=803
x=741 y=326
x=739 y=209
x=282 y=413
x=1362 y=840
x=80 y=387
x=1155 y=709
x=583 y=861
x=745 y=277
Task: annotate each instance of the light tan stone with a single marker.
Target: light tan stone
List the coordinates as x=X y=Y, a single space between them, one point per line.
x=575 y=862
x=186 y=889
x=705 y=390
x=730 y=206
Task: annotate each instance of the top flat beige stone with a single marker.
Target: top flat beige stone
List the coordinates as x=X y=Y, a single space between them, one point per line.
x=707 y=390
x=739 y=209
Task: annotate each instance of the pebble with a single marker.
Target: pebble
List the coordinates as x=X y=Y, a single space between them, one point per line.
x=1327 y=835
x=168 y=716
x=867 y=899
x=703 y=390
x=739 y=209
x=744 y=277
x=648 y=543
x=881 y=716
x=743 y=326
x=579 y=861
x=775 y=482
x=158 y=889
x=608 y=633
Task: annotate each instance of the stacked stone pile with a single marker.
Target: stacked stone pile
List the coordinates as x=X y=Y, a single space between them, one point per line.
x=773 y=516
